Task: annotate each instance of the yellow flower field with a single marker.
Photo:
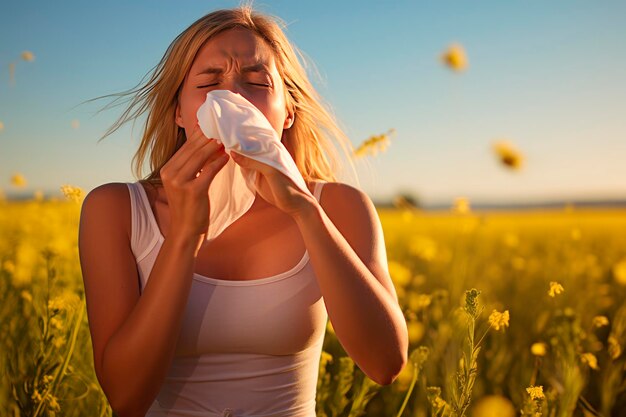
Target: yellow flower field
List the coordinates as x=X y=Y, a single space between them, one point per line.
x=507 y=313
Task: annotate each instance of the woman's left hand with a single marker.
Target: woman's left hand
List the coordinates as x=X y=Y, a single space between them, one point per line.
x=275 y=187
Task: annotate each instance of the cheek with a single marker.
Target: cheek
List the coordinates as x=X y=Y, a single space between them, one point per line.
x=274 y=110
x=189 y=108
x=190 y=101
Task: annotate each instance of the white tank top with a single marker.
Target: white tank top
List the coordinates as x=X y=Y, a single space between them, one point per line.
x=246 y=348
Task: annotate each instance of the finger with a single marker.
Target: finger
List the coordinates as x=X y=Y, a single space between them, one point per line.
x=210 y=170
x=251 y=163
x=196 y=133
x=207 y=153
x=189 y=148
x=183 y=154
x=196 y=141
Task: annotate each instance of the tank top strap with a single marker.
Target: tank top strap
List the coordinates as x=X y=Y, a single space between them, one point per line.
x=142 y=236
x=317 y=191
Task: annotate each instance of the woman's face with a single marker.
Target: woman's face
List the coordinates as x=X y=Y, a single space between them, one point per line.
x=239 y=61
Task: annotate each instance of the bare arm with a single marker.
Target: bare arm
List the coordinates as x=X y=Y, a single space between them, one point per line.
x=346 y=246
x=134 y=337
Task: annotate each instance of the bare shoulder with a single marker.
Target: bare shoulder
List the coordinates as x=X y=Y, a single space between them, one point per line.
x=111 y=200
x=354 y=215
x=345 y=200
x=112 y=190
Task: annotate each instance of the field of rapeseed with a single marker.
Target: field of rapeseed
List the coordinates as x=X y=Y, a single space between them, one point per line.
x=508 y=313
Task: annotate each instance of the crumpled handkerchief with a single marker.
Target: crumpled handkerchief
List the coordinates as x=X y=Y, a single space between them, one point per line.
x=232 y=120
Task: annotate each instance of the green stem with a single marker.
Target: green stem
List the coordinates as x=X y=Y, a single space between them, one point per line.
x=410 y=390
x=66 y=360
x=484 y=334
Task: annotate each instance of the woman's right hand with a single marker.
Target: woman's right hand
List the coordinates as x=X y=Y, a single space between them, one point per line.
x=186 y=178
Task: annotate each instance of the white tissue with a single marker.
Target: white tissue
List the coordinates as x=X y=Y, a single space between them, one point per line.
x=234 y=121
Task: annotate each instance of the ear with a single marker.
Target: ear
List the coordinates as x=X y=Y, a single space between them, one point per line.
x=178 y=117
x=291 y=116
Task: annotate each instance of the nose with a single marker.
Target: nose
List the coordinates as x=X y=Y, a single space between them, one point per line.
x=234 y=85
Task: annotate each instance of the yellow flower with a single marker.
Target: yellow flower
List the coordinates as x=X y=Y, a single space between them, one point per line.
x=454 y=57
x=555 y=288
x=423 y=247
x=53 y=403
x=494 y=406
x=57 y=303
x=1 y=126
x=405 y=376
x=511 y=240
x=18 y=180
x=590 y=359
x=26 y=295
x=75 y=124
x=461 y=205
x=72 y=193
x=58 y=342
x=38 y=195
x=539 y=349
x=510 y=157
x=56 y=323
x=619 y=272
x=407 y=215
x=324 y=359
x=400 y=274
x=615 y=350
x=499 y=320
x=417 y=302
x=518 y=263
x=65 y=301
x=599 y=321
x=28 y=56
x=440 y=403
x=535 y=392
x=433 y=394
x=374 y=144
x=329 y=327
x=416 y=331
x=36 y=396
x=8 y=266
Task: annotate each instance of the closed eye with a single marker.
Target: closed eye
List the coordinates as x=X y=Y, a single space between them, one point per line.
x=257 y=84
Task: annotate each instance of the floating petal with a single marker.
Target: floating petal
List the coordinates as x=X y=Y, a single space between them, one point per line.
x=455 y=58
x=28 y=56
x=18 y=180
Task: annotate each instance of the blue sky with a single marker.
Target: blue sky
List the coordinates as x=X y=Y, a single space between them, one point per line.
x=548 y=76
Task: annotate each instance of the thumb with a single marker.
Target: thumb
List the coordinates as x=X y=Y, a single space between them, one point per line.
x=243 y=160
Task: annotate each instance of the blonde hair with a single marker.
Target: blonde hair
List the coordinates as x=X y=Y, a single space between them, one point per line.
x=308 y=139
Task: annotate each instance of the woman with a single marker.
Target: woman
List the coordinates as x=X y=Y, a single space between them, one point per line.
x=182 y=326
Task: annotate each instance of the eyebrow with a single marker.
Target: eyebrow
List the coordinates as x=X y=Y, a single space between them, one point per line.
x=248 y=68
